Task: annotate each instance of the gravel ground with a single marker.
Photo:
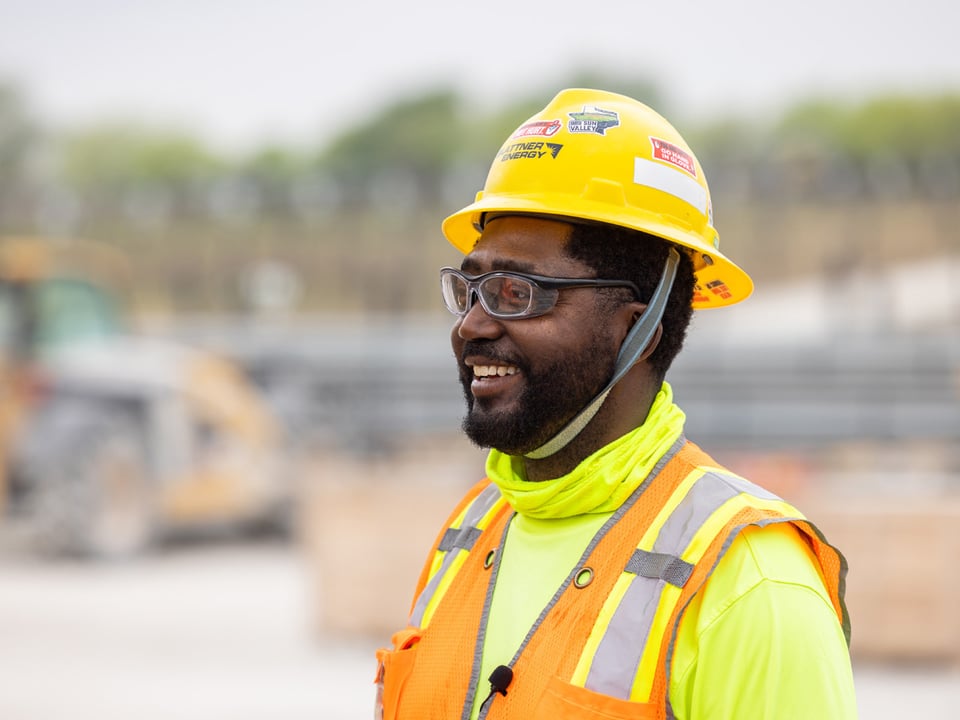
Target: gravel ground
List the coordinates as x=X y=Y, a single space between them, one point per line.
x=223 y=632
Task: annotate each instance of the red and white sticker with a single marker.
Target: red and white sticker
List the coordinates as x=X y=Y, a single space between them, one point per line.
x=542 y=128
x=668 y=152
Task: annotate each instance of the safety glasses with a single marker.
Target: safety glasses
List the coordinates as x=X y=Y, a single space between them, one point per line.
x=511 y=295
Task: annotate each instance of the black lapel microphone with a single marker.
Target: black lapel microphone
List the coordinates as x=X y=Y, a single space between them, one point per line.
x=500 y=680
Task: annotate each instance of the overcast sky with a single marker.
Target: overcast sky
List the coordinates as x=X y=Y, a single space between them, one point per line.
x=241 y=73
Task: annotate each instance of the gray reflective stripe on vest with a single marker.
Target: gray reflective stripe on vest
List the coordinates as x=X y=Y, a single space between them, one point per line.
x=461 y=538
x=707 y=494
x=620 y=650
x=658 y=566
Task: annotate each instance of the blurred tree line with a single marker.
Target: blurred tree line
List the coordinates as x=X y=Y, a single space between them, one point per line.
x=354 y=224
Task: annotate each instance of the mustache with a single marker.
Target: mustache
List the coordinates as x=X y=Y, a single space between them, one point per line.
x=489 y=349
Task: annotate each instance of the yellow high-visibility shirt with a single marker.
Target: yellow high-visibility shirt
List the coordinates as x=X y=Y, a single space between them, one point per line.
x=760 y=640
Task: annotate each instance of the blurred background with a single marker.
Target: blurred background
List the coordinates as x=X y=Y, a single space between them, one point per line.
x=228 y=409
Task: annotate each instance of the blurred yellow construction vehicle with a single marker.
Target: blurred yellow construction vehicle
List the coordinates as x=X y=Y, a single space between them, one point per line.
x=109 y=439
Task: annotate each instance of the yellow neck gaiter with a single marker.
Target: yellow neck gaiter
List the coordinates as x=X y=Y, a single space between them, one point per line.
x=603 y=480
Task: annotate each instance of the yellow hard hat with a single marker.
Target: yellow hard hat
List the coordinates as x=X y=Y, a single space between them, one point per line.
x=598 y=156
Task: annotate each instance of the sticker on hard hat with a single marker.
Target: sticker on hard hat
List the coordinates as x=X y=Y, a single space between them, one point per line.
x=592 y=120
x=668 y=152
x=719 y=287
x=666 y=179
x=542 y=128
x=529 y=151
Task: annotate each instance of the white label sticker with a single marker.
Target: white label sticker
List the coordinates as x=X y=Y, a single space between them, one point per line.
x=670 y=180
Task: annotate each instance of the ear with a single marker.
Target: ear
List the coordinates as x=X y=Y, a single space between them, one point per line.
x=652 y=345
x=634 y=311
x=626 y=317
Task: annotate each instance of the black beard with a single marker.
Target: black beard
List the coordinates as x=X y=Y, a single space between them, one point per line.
x=550 y=399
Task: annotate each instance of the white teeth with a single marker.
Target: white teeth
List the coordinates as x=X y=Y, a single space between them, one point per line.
x=491 y=370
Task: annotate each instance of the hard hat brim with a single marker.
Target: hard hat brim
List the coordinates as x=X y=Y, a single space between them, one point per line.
x=720 y=281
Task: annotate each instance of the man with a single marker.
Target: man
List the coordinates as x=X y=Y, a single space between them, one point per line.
x=607 y=568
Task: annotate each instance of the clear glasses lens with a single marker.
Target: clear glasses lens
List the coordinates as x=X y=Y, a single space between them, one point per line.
x=500 y=295
x=506 y=295
x=455 y=293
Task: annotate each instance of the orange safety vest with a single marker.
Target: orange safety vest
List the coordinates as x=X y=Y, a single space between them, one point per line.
x=602 y=647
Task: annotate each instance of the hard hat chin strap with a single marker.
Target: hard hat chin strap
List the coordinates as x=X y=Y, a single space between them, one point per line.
x=632 y=348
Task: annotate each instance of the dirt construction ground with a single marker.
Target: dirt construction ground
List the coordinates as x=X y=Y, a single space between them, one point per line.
x=223 y=631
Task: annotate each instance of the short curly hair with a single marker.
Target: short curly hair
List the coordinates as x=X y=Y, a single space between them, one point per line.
x=620 y=253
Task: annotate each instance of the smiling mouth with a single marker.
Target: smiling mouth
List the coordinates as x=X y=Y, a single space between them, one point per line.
x=484 y=371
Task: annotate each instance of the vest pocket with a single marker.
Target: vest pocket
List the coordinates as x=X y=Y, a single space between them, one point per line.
x=395 y=667
x=563 y=701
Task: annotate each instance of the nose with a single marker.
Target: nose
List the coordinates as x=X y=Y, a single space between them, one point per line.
x=476 y=323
